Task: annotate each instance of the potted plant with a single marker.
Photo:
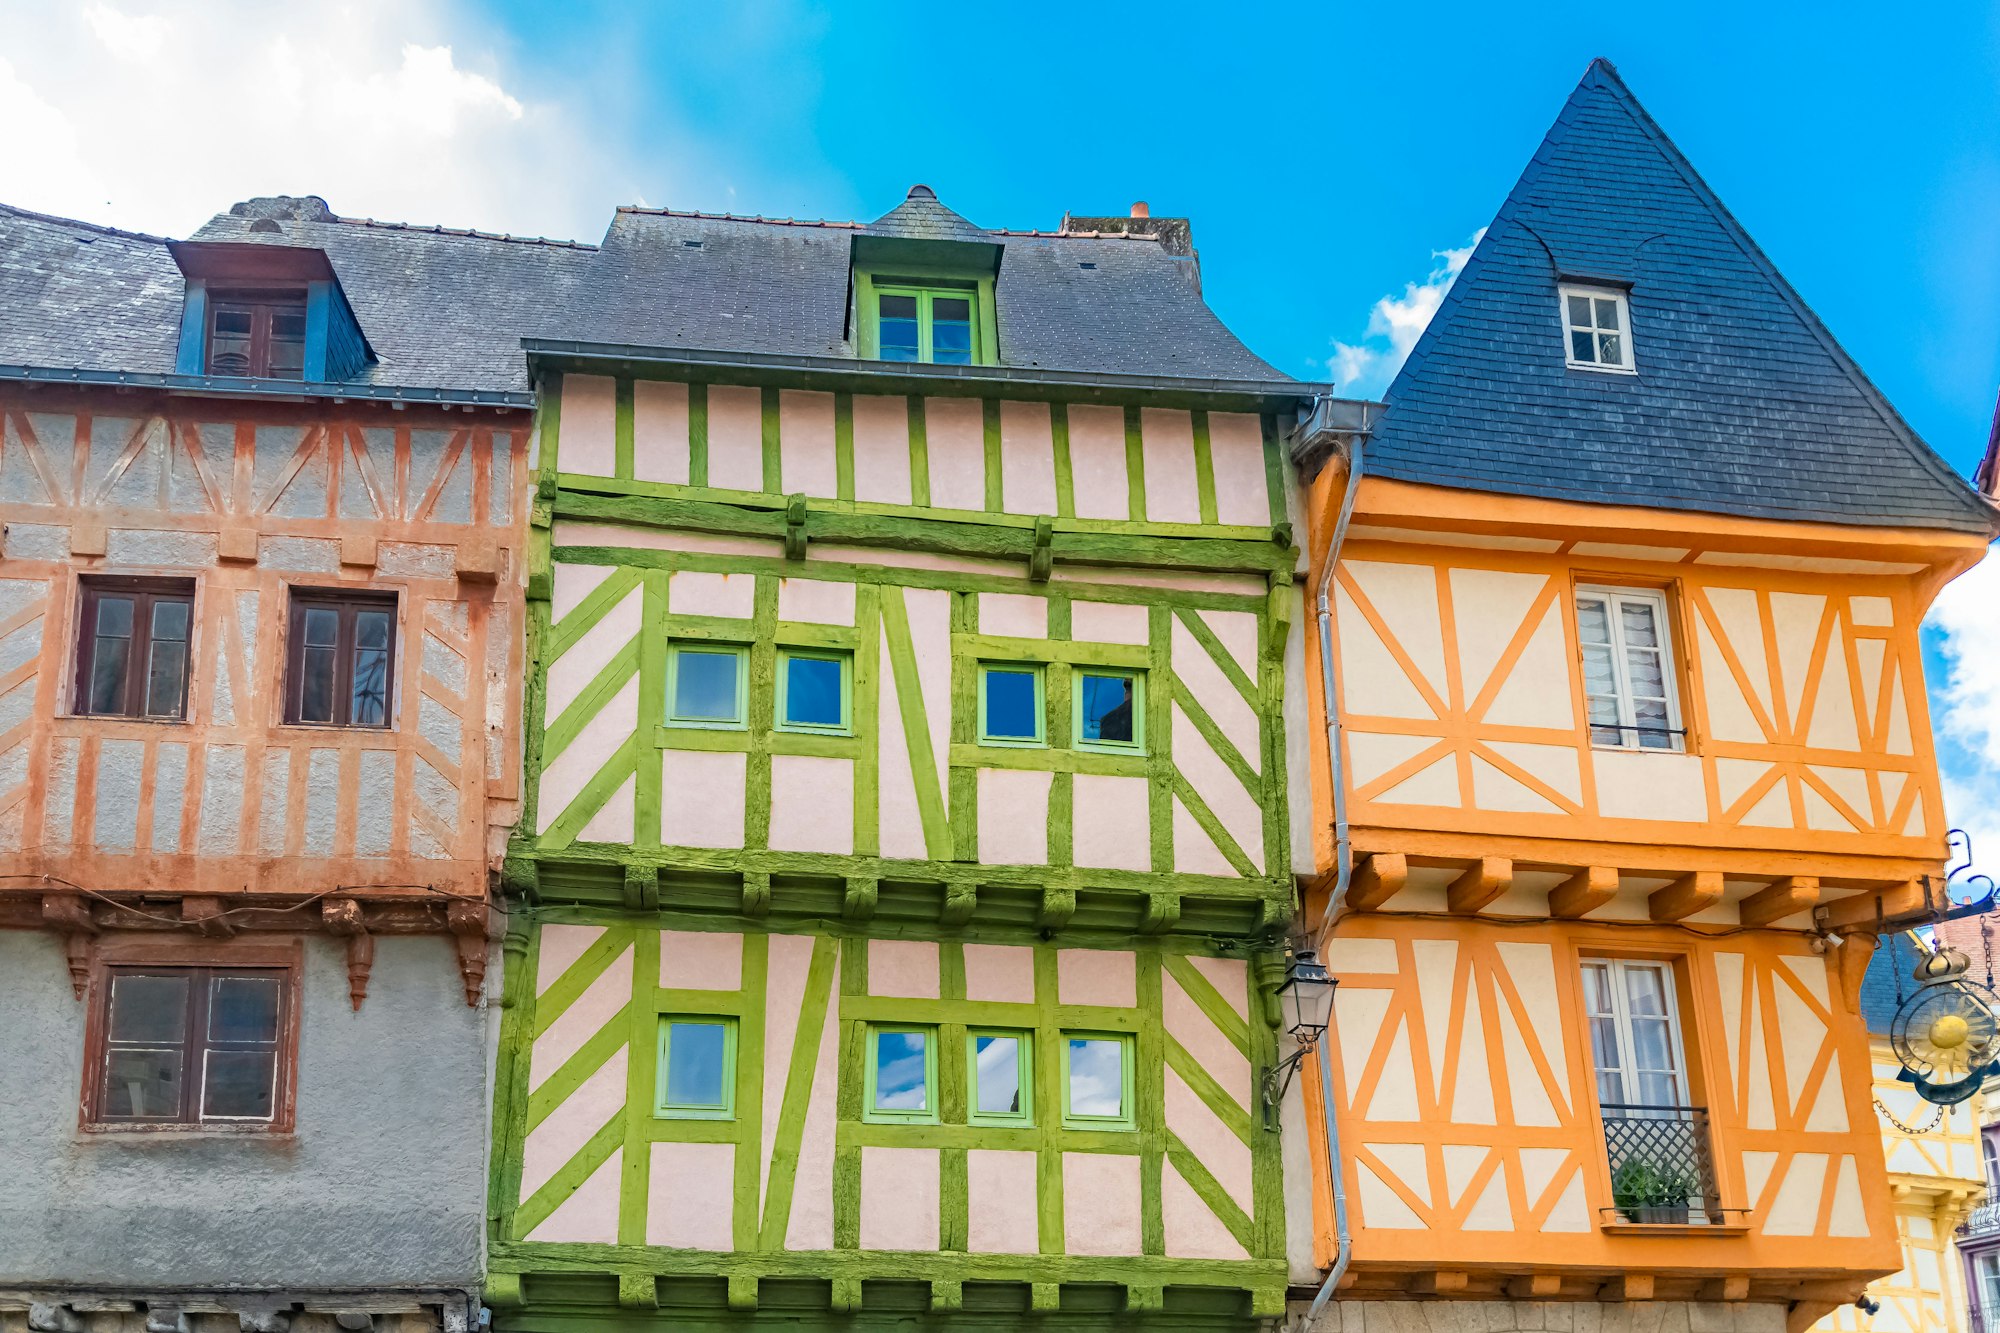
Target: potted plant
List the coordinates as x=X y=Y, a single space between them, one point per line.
x=1645 y=1190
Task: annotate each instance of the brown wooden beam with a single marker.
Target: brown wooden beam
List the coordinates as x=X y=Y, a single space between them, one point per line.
x=1850 y=959
x=1376 y=880
x=1585 y=891
x=1889 y=906
x=1443 y=1282
x=1629 y=1287
x=1728 y=1287
x=1485 y=881
x=1535 y=1286
x=1687 y=895
x=1793 y=894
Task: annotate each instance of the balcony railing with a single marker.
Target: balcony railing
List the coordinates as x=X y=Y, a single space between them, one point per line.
x=1982 y=1221
x=1661 y=1167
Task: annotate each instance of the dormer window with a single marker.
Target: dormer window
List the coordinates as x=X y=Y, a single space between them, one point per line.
x=261 y=334
x=931 y=324
x=1599 y=328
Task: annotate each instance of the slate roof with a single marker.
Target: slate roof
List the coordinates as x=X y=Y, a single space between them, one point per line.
x=1743 y=402
x=84 y=297
x=1895 y=959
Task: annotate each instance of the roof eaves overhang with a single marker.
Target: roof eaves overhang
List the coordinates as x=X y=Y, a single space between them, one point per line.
x=828 y=372
x=233 y=386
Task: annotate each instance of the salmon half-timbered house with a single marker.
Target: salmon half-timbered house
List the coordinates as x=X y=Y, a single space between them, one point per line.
x=263 y=496
x=906 y=855
x=1630 y=764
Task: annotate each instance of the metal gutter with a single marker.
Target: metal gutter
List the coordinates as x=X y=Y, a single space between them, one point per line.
x=239 y=386
x=892 y=376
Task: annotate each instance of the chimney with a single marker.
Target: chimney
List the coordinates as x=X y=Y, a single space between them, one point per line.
x=1139 y=210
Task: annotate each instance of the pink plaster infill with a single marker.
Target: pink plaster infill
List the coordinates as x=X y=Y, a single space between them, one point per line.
x=589 y=655
x=1097 y=461
x=1242 y=488
x=1112 y=822
x=560 y=947
x=1217 y=784
x=955 y=441
x=811 y=1224
x=784 y=991
x=566 y=774
x=701 y=799
x=1237 y=631
x=1101 y=1209
x=691 y=1203
x=812 y=804
x=584 y=1019
x=1195 y=852
x=701 y=960
x=1110 y=622
x=570 y=584
x=901 y=823
x=1000 y=973
x=907 y=969
x=1014 y=817
x=1213 y=1051
x=1102 y=977
x=1172 y=493
x=735 y=437
x=613 y=821
x=660 y=431
x=805 y=443
x=929 y=613
x=1196 y=672
x=816 y=601
x=1231 y=979
x=574 y=1121
x=696 y=593
x=1013 y=615
x=589 y=1216
x=586 y=440
x=881 y=449
x=1191 y=1228
x=1000 y=1191
x=1213 y=1143
x=899 y=1198
x=1027 y=459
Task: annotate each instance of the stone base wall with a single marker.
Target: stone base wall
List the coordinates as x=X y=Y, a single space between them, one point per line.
x=1448 y=1316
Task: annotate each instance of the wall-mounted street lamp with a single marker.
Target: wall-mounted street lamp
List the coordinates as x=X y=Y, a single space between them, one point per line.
x=1305 y=1006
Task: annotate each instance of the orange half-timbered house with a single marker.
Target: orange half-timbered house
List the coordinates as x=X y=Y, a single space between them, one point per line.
x=260 y=669
x=1618 y=603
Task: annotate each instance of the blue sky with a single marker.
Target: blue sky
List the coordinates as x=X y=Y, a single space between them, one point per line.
x=1332 y=157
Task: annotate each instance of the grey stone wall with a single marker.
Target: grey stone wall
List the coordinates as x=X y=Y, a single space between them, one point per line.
x=382 y=1185
x=1442 y=1316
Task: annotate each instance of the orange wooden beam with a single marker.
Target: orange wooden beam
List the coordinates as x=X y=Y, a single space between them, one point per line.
x=1685 y=896
x=1585 y=891
x=1491 y=877
x=1795 y=893
x=1379 y=878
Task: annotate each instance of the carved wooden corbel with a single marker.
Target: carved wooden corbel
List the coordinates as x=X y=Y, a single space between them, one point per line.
x=1058 y=906
x=1377 y=879
x=70 y=914
x=208 y=916
x=1042 y=559
x=1850 y=964
x=756 y=893
x=959 y=901
x=795 y=528
x=859 y=902
x=343 y=917
x=1163 y=913
x=468 y=922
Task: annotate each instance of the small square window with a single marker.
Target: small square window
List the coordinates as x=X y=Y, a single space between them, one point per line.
x=1001 y=1078
x=813 y=690
x=697 y=1069
x=707 y=684
x=1010 y=704
x=902 y=1074
x=340 y=658
x=132 y=647
x=1097 y=1081
x=192 y=1046
x=936 y=325
x=1110 y=709
x=260 y=334
x=1596 y=325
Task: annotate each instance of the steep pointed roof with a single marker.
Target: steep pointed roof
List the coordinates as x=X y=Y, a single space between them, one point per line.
x=1743 y=402
x=921 y=217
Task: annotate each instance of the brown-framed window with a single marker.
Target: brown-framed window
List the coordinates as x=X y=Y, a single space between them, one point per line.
x=340 y=658
x=262 y=334
x=193 y=1045
x=132 y=647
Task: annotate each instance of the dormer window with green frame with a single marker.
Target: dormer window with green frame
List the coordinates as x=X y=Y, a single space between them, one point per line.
x=932 y=320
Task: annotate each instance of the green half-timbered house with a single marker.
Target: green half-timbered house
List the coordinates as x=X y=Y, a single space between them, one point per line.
x=907 y=851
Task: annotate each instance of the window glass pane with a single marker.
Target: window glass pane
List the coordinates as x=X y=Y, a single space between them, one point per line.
x=696 y=1056
x=1645 y=993
x=108 y=660
x=239 y=1084
x=322 y=626
x=901 y=1082
x=1610 y=350
x=316 y=685
x=288 y=344
x=243 y=1009
x=896 y=329
x=368 y=705
x=1096 y=1076
x=166 y=674
x=148 y=1009
x=1107 y=708
x=951 y=330
x=1013 y=705
x=229 y=341
x=170 y=620
x=705 y=686
x=371 y=629
x=1607 y=313
x=1582 y=346
x=812 y=692
x=1579 y=311
x=998 y=1062
x=142 y=1084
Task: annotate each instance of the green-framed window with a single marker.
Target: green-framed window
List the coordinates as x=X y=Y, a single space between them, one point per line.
x=1000 y=1073
x=815 y=690
x=902 y=1074
x=1108 y=709
x=707 y=684
x=1097 y=1085
x=1011 y=710
x=697 y=1068
x=936 y=324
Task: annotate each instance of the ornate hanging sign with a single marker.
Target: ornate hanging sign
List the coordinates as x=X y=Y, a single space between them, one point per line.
x=1947 y=1034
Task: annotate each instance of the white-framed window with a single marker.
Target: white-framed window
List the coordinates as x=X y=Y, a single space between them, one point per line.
x=1635 y=1035
x=1988 y=1295
x=1628 y=669
x=1597 y=327
x=1991 y=1157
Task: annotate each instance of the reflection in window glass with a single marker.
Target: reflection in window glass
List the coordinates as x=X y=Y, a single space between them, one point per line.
x=706 y=686
x=1012 y=702
x=166 y=668
x=371 y=669
x=812 y=691
x=238 y=1084
x=902 y=1071
x=149 y=1009
x=1097 y=1077
x=1106 y=715
x=317 y=659
x=951 y=330
x=142 y=1084
x=996 y=1063
x=896 y=330
x=697 y=1066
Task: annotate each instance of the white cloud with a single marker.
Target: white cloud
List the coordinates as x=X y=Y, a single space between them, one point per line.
x=156 y=114
x=1965 y=704
x=1394 y=325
